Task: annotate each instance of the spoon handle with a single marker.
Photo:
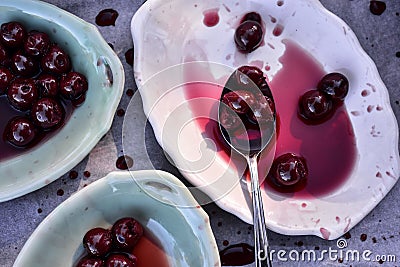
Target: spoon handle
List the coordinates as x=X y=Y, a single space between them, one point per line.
x=261 y=247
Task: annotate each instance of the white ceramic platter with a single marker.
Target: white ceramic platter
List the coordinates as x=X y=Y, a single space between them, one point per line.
x=179 y=225
x=172 y=32
x=90 y=55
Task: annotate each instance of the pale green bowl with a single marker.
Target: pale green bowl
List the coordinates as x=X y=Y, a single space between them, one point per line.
x=158 y=200
x=90 y=55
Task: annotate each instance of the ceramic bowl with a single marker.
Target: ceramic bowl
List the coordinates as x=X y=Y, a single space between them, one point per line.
x=93 y=57
x=157 y=199
x=169 y=33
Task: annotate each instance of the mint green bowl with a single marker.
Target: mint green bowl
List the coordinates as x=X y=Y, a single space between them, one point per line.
x=158 y=200
x=90 y=55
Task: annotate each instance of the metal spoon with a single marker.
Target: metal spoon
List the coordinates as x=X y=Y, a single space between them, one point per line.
x=250 y=149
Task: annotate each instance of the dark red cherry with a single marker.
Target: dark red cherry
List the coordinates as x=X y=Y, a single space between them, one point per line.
x=97 y=241
x=4 y=56
x=79 y=101
x=261 y=111
x=56 y=61
x=239 y=101
x=36 y=44
x=129 y=255
x=73 y=85
x=119 y=260
x=89 y=261
x=20 y=131
x=47 y=113
x=253 y=16
x=126 y=232
x=315 y=107
x=288 y=170
x=24 y=65
x=229 y=119
x=271 y=104
x=5 y=79
x=250 y=72
x=265 y=89
x=334 y=85
x=12 y=34
x=248 y=36
x=22 y=93
x=47 y=85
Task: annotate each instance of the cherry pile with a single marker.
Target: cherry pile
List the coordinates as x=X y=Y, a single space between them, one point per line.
x=318 y=105
x=240 y=99
x=37 y=78
x=315 y=106
x=249 y=34
x=112 y=247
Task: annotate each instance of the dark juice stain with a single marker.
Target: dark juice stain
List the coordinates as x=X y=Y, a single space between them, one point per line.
x=124 y=162
x=130 y=92
x=363 y=237
x=377 y=7
x=73 y=175
x=129 y=56
x=86 y=174
x=347 y=235
x=107 y=17
x=120 y=112
x=237 y=255
x=60 y=192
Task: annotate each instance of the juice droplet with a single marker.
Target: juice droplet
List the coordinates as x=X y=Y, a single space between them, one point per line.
x=120 y=112
x=237 y=255
x=211 y=17
x=106 y=17
x=124 y=162
x=377 y=7
x=363 y=237
x=60 y=192
x=73 y=175
x=129 y=56
x=278 y=30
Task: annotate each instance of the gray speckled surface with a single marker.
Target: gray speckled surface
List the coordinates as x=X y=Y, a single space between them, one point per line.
x=379 y=36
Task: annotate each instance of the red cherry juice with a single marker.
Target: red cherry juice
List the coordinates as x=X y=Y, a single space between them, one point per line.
x=149 y=253
x=329 y=148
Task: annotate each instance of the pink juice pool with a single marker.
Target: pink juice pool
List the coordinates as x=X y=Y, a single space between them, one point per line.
x=329 y=148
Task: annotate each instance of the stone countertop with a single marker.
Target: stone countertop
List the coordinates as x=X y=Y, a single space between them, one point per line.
x=379 y=232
